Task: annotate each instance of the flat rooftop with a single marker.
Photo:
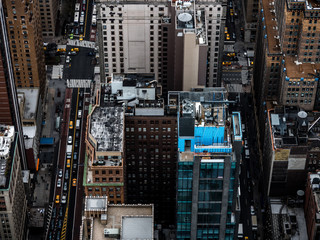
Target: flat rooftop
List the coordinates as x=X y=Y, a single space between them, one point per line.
x=106 y=127
x=137 y=227
x=292 y=220
x=7 y=149
x=137 y=221
x=134 y=79
x=99 y=203
x=30 y=96
x=299 y=70
x=292 y=127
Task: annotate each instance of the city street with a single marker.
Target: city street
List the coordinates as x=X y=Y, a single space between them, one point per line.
x=79 y=63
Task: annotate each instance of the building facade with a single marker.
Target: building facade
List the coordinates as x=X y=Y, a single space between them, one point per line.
x=151 y=163
x=209 y=147
x=9 y=106
x=104 y=162
x=26 y=45
x=48 y=14
x=290 y=150
x=311 y=207
x=286 y=57
x=13 y=204
x=180 y=42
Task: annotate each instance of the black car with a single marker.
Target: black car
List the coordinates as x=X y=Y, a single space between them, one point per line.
x=60 y=212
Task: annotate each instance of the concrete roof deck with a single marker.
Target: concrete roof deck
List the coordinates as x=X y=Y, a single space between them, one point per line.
x=115 y=214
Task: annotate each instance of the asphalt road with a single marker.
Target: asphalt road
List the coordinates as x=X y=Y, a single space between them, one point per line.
x=250 y=169
x=81 y=65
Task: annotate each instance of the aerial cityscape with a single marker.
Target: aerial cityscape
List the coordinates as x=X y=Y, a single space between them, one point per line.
x=164 y=120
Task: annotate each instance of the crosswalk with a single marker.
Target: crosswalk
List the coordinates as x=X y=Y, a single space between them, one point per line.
x=78 y=43
x=65 y=224
x=78 y=83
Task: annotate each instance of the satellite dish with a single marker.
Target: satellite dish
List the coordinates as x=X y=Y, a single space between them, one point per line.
x=184 y=17
x=302 y=114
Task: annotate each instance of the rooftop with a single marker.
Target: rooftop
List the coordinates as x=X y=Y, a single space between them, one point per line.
x=133 y=221
x=96 y=203
x=295 y=69
x=204 y=124
x=291 y=225
x=271 y=26
x=30 y=98
x=191 y=20
x=129 y=87
x=292 y=127
x=7 y=149
x=139 y=227
x=106 y=127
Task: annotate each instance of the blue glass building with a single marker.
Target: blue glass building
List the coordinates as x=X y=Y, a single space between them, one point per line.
x=209 y=147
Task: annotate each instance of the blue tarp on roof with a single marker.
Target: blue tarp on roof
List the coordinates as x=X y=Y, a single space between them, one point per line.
x=46 y=141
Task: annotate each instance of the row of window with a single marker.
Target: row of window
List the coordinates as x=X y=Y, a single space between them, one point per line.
x=301 y=95
x=109 y=171
x=298 y=89
x=105 y=179
x=304 y=83
x=296 y=101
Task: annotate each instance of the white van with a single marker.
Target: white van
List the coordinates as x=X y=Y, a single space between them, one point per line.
x=78 y=124
x=79 y=113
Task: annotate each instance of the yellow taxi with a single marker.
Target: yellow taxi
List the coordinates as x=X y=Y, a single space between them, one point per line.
x=61 y=50
x=225 y=30
x=57 y=199
x=231 y=12
x=68 y=163
x=81 y=37
x=71 y=125
x=228 y=36
x=74 y=182
x=74 y=49
x=231 y=54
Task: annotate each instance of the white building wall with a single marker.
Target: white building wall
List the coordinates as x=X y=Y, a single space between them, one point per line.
x=132 y=36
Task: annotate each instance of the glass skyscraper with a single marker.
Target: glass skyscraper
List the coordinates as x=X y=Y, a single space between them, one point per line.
x=209 y=142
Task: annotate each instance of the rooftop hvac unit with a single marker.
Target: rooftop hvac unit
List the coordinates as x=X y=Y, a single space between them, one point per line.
x=111 y=232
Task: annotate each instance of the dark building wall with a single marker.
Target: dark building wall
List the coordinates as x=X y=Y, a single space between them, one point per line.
x=202 y=65
x=178 y=62
x=151 y=159
x=310 y=210
x=168 y=48
x=5 y=111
